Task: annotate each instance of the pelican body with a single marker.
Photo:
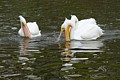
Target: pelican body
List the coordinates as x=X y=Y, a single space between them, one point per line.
x=86 y=29
x=29 y=29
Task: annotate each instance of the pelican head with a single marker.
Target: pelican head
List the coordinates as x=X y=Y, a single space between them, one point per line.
x=25 y=27
x=74 y=19
x=22 y=20
x=66 y=26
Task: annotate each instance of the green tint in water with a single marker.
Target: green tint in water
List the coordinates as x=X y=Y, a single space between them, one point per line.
x=43 y=58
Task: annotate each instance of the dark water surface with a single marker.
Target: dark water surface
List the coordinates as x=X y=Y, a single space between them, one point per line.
x=42 y=58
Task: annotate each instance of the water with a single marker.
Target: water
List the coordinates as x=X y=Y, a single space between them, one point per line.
x=43 y=58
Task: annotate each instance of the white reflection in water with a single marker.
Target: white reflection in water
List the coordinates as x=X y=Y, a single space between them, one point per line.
x=28 y=45
x=86 y=44
x=67 y=64
x=78 y=46
x=24 y=45
x=67 y=68
x=81 y=46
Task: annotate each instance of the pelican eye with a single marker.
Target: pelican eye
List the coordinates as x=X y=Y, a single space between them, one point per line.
x=75 y=22
x=23 y=24
x=62 y=29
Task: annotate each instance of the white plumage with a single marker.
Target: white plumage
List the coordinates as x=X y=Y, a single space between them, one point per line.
x=86 y=29
x=29 y=29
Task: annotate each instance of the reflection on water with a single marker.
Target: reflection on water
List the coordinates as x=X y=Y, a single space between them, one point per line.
x=41 y=58
x=78 y=47
x=82 y=46
x=24 y=46
x=27 y=45
x=70 y=58
x=86 y=44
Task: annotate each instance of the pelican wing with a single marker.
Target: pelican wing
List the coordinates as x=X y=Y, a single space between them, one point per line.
x=90 y=31
x=33 y=27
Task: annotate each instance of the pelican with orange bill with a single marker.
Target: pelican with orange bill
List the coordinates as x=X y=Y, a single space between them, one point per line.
x=86 y=29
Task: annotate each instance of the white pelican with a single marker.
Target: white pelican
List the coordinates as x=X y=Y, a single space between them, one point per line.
x=85 y=29
x=29 y=29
